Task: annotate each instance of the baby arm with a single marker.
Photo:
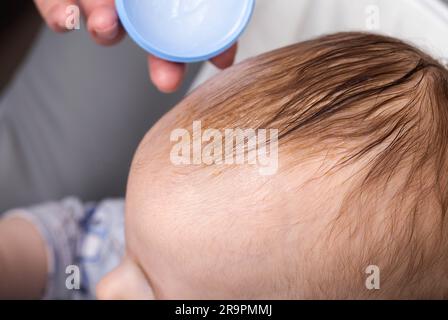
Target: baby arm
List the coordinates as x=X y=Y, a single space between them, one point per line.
x=36 y=246
x=39 y=243
x=23 y=260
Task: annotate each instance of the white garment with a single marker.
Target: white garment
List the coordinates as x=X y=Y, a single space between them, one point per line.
x=277 y=23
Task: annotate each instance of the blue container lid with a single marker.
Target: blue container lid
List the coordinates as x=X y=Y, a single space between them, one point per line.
x=185 y=30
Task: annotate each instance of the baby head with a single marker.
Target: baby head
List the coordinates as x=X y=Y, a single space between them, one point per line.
x=359 y=126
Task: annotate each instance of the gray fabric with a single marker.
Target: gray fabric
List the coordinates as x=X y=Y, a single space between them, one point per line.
x=72 y=118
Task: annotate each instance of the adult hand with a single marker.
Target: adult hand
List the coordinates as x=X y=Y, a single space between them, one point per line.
x=104 y=26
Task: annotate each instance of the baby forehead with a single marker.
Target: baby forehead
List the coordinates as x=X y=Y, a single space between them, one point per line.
x=218 y=194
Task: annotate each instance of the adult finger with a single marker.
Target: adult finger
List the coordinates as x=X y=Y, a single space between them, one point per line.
x=102 y=21
x=227 y=58
x=166 y=76
x=54 y=12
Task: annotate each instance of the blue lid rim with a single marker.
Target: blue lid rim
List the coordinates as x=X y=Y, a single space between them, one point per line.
x=127 y=24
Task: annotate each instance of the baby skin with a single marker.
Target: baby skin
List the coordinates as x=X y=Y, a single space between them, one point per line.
x=357 y=123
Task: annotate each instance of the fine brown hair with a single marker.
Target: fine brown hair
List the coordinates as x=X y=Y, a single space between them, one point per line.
x=367 y=99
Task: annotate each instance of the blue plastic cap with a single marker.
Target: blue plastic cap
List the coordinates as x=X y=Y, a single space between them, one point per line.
x=185 y=30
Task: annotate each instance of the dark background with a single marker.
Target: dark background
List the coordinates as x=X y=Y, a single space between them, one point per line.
x=11 y=9
x=19 y=24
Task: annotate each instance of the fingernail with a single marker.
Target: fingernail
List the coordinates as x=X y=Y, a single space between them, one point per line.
x=109 y=33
